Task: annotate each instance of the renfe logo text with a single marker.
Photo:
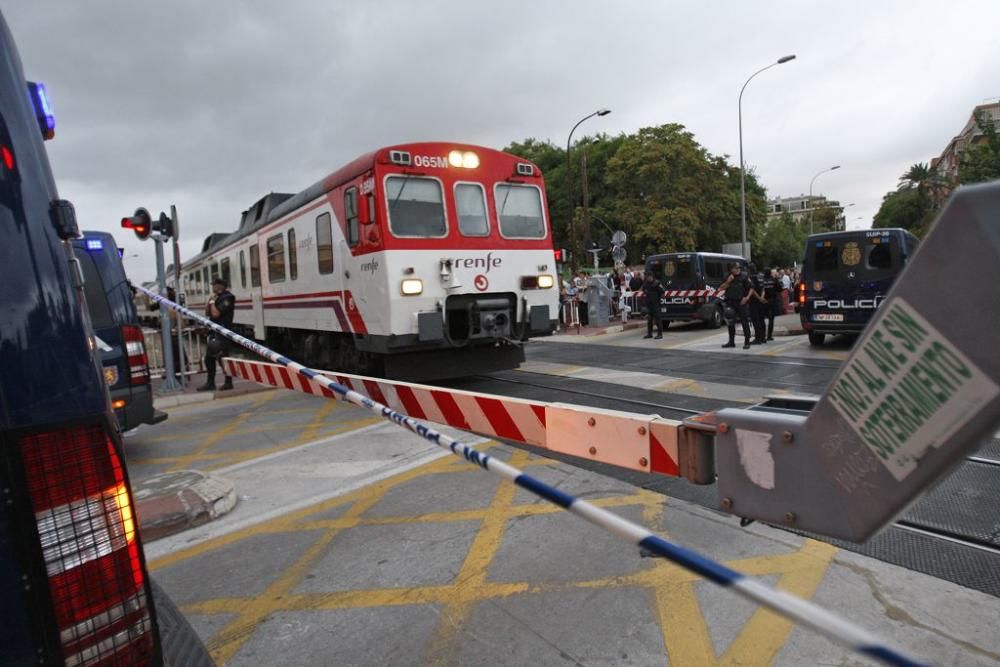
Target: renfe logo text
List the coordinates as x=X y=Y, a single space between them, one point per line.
x=485 y=263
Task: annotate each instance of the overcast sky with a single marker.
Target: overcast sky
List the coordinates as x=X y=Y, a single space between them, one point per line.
x=210 y=105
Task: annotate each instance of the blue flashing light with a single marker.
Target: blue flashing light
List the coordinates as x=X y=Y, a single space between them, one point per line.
x=43 y=109
x=95 y=244
x=121 y=252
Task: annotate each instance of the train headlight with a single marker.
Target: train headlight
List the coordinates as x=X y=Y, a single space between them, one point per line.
x=465 y=160
x=411 y=286
x=545 y=281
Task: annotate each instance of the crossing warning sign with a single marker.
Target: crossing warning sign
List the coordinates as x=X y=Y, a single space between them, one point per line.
x=908 y=388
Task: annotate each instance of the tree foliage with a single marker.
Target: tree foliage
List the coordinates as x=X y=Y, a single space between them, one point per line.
x=780 y=241
x=659 y=185
x=909 y=208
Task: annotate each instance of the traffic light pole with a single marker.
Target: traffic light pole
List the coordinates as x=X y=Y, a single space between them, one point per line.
x=170 y=382
x=181 y=297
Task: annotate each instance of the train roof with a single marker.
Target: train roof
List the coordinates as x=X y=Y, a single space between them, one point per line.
x=854 y=232
x=276 y=205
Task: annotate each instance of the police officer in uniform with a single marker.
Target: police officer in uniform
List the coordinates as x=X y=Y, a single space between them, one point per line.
x=738 y=292
x=772 y=300
x=653 y=290
x=220 y=310
x=757 y=306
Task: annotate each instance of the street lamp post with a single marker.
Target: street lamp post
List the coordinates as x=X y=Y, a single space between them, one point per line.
x=811 y=207
x=574 y=265
x=743 y=195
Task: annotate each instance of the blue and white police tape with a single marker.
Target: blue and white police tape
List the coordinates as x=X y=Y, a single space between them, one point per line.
x=794 y=608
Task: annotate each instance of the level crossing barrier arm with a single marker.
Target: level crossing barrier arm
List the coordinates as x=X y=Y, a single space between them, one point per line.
x=797 y=609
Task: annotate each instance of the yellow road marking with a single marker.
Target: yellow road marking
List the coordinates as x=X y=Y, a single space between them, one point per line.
x=217 y=435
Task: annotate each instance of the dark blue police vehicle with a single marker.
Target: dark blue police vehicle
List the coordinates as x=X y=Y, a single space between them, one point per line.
x=74 y=588
x=688 y=271
x=846 y=276
x=119 y=340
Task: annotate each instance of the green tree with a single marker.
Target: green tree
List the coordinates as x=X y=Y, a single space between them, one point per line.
x=981 y=161
x=779 y=242
x=551 y=159
x=909 y=209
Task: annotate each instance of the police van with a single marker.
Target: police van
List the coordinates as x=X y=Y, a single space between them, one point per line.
x=846 y=276
x=74 y=587
x=692 y=272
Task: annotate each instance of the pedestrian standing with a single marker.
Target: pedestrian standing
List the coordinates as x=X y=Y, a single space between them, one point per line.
x=219 y=309
x=581 y=298
x=757 y=306
x=738 y=291
x=772 y=300
x=653 y=290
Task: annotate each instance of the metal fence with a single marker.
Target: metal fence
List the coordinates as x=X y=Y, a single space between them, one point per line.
x=194 y=352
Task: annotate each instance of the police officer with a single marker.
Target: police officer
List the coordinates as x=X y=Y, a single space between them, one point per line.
x=738 y=292
x=757 y=306
x=653 y=290
x=772 y=299
x=220 y=310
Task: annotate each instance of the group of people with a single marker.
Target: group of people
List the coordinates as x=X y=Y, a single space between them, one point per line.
x=754 y=300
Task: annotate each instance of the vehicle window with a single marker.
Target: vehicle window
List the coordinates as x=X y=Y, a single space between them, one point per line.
x=205 y=280
x=224 y=268
x=93 y=289
x=416 y=206
x=825 y=258
x=254 y=265
x=324 y=243
x=243 y=268
x=470 y=204
x=715 y=271
x=880 y=256
x=519 y=209
x=215 y=270
x=293 y=256
x=678 y=272
x=656 y=267
x=196 y=282
x=351 y=214
x=276 y=259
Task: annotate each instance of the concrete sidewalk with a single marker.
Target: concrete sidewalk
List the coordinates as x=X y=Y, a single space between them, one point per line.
x=434 y=561
x=189 y=394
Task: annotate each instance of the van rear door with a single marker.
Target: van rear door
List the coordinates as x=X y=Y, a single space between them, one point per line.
x=849 y=276
x=680 y=272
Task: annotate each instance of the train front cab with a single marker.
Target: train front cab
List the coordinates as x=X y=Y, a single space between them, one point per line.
x=846 y=277
x=469 y=269
x=692 y=271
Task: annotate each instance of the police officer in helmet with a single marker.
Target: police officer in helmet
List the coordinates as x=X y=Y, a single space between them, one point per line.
x=738 y=292
x=220 y=310
x=653 y=290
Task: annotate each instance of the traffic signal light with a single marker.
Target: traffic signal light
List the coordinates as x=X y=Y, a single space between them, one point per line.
x=562 y=255
x=143 y=225
x=140 y=223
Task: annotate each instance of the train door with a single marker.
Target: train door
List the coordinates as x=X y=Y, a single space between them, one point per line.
x=256 y=293
x=354 y=284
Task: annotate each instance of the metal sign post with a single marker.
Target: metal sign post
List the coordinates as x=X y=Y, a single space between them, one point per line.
x=180 y=297
x=170 y=382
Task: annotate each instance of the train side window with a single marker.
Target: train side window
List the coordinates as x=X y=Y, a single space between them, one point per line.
x=243 y=269
x=196 y=282
x=351 y=213
x=293 y=256
x=324 y=243
x=371 y=208
x=276 y=259
x=215 y=270
x=470 y=204
x=205 y=281
x=254 y=265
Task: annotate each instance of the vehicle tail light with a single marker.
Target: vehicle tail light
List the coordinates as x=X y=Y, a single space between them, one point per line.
x=87 y=529
x=135 y=350
x=802 y=292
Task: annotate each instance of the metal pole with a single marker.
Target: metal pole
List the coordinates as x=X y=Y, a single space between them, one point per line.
x=811 y=207
x=574 y=250
x=743 y=193
x=586 y=200
x=169 y=381
x=177 y=286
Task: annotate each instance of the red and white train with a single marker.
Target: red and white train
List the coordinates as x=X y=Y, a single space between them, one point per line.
x=417 y=261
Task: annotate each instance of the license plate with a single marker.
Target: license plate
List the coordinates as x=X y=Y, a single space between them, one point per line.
x=828 y=317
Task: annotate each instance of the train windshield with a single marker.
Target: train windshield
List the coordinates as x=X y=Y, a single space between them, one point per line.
x=416 y=206
x=519 y=209
x=866 y=257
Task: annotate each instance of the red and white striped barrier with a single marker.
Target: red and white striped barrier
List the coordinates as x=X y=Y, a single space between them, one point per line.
x=693 y=292
x=638 y=442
